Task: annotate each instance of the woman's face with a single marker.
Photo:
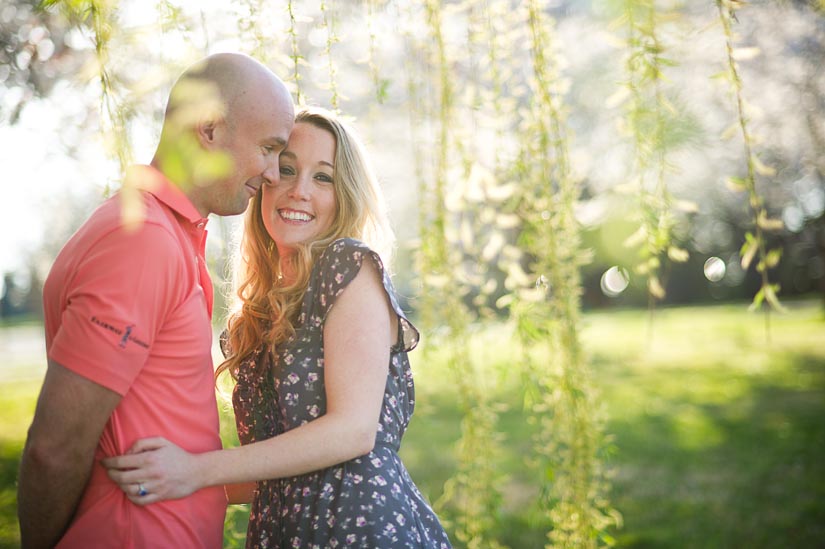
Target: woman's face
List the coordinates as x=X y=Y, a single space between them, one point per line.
x=301 y=206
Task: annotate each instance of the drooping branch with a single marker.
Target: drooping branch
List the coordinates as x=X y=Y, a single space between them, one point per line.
x=755 y=246
x=332 y=38
x=570 y=440
x=647 y=122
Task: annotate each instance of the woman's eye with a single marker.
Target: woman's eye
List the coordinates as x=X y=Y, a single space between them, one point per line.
x=286 y=170
x=324 y=177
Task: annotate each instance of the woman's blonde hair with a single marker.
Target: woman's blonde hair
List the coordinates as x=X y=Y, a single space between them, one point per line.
x=266 y=310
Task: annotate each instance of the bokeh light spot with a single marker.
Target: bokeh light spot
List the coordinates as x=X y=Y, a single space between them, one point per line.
x=794 y=218
x=614 y=281
x=715 y=269
x=542 y=283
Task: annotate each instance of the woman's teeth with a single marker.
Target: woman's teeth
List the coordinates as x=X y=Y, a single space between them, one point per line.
x=295 y=216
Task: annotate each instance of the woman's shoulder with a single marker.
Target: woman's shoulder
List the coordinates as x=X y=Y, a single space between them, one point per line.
x=345 y=253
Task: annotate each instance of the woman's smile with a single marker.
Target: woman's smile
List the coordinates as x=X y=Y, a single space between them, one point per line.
x=295 y=216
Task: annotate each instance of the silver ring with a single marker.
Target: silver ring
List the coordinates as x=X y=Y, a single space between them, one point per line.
x=141 y=490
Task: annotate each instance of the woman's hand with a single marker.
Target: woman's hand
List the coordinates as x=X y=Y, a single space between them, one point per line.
x=154 y=470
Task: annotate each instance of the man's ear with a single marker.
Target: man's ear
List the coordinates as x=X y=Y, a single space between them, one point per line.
x=206 y=130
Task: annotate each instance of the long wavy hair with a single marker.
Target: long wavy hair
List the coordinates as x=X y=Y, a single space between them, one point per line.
x=266 y=308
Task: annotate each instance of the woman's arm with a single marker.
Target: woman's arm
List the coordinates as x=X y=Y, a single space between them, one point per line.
x=358 y=334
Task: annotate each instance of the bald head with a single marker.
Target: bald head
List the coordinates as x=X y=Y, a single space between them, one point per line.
x=222 y=85
x=227 y=118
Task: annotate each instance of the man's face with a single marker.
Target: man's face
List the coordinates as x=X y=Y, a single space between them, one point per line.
x=253 y=135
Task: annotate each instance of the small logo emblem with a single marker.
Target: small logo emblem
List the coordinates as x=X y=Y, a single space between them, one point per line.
x=126 y=335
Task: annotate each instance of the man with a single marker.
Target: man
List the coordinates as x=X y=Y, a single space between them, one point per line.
x=127 y=318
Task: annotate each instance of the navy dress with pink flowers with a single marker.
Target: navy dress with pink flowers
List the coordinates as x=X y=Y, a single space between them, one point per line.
x=370 y=501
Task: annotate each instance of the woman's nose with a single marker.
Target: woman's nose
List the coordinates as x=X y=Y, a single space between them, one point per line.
x=300 y=189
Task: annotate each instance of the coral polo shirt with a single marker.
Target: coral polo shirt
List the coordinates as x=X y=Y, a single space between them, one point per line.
x=130 y=309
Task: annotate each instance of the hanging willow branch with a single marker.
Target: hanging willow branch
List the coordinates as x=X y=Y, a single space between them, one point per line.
x=470 y=499
x=250 y=27
x=115 y=115
x=417 y=115
x=295 y=56
x=646 y=120
x=332 y=38
x=755 y=246
x=380 y=84
x=570 y=439
x=495 y=18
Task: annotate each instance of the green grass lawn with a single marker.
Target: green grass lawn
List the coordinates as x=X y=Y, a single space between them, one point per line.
x=719 y=436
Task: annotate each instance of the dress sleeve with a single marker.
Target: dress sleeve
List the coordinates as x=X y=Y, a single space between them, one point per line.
x=338 y=266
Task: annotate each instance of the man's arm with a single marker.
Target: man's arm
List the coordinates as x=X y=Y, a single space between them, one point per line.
x=59 y=453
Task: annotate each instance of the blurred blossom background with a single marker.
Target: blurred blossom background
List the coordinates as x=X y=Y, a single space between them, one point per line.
x=58 y=164
x=599 y=188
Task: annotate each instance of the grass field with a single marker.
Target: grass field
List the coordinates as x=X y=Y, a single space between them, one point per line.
x=719 y=436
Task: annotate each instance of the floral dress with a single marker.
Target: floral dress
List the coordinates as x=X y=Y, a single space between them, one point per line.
x=369 y=501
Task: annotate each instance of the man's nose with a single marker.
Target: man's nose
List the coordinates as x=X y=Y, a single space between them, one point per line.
x=272 y=172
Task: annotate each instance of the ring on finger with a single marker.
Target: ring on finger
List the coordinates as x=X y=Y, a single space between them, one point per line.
x=141 y=490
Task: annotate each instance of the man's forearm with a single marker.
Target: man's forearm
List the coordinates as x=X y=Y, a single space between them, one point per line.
x=48 y=493
x=57 y=461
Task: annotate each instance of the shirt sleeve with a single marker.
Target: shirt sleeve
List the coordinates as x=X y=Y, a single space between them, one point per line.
x=118 y=297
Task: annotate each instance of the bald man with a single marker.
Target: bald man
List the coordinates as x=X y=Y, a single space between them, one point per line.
x=128 y=319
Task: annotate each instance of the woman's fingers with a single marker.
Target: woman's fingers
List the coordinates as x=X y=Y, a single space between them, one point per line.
x=131 y=469
x=119 y=462
x=147 y=444
x=127 y=478
x=140 y=493
x=131 y=458
x=137 y=456
x=160 y=467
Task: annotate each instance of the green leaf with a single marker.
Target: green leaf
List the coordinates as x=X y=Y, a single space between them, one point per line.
x=730 y=131
x=761 y=168
x=636 y=238
x=687 y=206
x=677 y=254
x=757 y=299
x=744 y=54
x=769 y=224
x=723 y=75
x=655 y=287
x=772 y=258
x=748 y=251
x=736 y=184
x=770 y=296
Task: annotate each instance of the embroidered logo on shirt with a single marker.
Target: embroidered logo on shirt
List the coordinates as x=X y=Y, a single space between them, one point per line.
x=125 y=334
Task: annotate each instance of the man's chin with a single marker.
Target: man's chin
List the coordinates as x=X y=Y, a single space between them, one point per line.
x=235 y=209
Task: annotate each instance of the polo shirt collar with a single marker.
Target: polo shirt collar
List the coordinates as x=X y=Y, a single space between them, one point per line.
x=152 y=180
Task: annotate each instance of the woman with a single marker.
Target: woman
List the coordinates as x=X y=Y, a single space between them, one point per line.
x=319 y=351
